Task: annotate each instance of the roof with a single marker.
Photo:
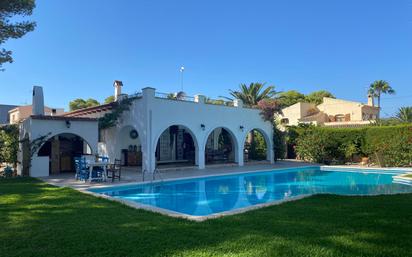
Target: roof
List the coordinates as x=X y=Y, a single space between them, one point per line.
x=313 y=116
x=89 y=110
x=46 y=117
x=30 y=107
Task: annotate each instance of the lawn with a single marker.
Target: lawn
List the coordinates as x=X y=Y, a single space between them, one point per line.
x=37 y=219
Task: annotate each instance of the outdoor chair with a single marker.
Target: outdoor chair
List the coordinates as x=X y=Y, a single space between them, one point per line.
x=82 y=173
x=115 y=171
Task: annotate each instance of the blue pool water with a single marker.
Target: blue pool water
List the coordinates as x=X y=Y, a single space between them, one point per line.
x=211 y=195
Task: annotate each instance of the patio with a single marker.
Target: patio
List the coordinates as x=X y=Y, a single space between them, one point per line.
x=134 y=174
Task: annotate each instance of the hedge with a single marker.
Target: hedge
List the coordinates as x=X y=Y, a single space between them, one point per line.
x=386 y=145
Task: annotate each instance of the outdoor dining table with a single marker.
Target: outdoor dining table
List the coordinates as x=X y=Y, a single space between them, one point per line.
x=93 y=164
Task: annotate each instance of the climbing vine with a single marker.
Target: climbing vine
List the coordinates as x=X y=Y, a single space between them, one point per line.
x=110 y=119
x=32 y=146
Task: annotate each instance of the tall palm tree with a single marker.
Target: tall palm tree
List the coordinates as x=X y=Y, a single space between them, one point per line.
x=404 y=114
x=379 y=87
x=253 y=93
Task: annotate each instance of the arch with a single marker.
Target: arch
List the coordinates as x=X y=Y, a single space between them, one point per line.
x=61 y=149
x=183 y=150
x=234 y=142
x=49 y=137
x=266 y=138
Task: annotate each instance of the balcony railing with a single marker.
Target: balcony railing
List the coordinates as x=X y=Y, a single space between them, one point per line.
x=175 y=96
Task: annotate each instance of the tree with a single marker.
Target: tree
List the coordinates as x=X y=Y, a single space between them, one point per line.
x=290 y=97
x=81 y=103
x=317 y=96
x=9 y=144
x=379 y=87
x=109 y=99
x=10 y=28
x=269 y=107
x=252 y=94
x=404 y=114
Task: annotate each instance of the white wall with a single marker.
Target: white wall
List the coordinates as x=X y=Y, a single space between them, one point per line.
x=150 y=116
x=35 y=128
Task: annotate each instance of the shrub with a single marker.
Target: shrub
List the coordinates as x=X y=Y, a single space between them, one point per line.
x=9 y=144
x=387 y=145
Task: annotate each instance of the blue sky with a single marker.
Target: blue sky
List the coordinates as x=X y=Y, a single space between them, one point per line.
x=80 y=47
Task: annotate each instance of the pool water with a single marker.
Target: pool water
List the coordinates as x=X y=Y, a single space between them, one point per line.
x=217 y=194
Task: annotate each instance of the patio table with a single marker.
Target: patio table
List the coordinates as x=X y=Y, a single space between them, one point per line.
x=93 y=164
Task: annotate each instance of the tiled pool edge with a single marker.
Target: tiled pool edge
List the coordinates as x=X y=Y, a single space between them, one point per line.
x=140 y=206
x=174 y=214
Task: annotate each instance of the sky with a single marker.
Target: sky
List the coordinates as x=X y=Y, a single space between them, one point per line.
x=80 y=47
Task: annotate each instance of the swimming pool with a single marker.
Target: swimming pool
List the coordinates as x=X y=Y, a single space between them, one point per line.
x=214 y=195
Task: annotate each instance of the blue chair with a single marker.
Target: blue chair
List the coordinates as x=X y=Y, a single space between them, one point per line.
x=103 y=158
x=82 y=172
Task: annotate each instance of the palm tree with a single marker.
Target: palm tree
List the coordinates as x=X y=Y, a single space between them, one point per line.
x=253 y=93
x=379 y=87
x=404 y=114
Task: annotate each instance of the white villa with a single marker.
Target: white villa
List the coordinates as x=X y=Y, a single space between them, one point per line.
x=331 y=113
x=152 y=131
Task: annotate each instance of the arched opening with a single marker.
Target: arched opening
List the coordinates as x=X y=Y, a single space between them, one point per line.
x=176 y=147
x=130 y=147
x=61 y=150
x=220 y=147
x=255 y=147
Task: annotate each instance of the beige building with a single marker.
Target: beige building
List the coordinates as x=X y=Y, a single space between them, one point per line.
x=22 y=112
x=332 y=113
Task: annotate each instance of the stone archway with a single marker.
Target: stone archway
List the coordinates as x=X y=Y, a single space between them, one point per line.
x=221 y=147
x=176 y=146
x=62 y=149
x=256 y=146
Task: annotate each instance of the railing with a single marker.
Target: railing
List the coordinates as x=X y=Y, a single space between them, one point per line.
x=219 y=102
x=175 y=96
x=181 y=96
x=135 y=95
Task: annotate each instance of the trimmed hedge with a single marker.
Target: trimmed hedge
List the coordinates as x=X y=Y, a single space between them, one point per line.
x=386 y=145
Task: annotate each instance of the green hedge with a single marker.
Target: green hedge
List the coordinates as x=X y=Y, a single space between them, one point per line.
x=386 y=145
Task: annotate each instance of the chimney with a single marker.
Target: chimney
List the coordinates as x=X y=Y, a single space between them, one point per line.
x=38 y=101
x=371 y=100
x=117 y=89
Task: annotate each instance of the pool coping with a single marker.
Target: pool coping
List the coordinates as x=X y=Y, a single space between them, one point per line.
x=175 y=214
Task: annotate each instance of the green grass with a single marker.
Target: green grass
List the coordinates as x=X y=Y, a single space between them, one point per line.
x=37 y=219
x=409 y=176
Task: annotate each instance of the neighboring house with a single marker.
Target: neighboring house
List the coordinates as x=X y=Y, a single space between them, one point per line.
x=20 y=113
x=153 y=131
x=331 y=113
x=4 y=113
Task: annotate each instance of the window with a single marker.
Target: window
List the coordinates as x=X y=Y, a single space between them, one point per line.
x=340 y=118
x=284 y=121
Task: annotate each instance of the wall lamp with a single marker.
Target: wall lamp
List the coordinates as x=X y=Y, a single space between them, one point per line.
x=68 y=123
x=202 y=126
x=241 y=128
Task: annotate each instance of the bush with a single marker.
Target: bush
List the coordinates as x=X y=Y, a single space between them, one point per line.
x=388 y=146
x=9 y=143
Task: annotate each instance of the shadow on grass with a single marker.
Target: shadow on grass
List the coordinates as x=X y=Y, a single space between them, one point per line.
x=49 y=221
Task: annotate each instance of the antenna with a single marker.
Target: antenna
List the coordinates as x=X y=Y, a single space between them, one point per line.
x=182 y=69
